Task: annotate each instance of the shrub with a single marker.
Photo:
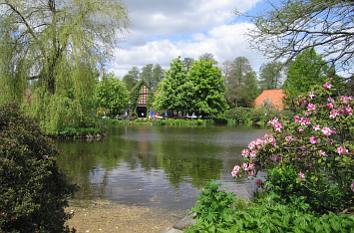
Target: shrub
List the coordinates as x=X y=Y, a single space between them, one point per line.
x=250 y=116
x=33 y=192
x=219 y=211
x=316 y=145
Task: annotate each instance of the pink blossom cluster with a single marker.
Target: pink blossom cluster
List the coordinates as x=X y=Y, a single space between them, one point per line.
x=346 y=99
x=342 y=150
x=328 y=131
x=276 y=124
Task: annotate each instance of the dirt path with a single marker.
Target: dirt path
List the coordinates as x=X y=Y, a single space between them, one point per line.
x=104 y=216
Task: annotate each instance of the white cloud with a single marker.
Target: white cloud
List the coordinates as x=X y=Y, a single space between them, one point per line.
x=225 y=42
x=164 y=29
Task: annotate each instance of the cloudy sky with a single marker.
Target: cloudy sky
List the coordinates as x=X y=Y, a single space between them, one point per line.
x=161 y=30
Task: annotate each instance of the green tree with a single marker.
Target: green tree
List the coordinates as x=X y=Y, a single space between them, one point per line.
x=240 y=82
x=208 y=88
x=208 y=56
x=169 y=92
x=152 y=75
x=271 y=75
x=292 y=26
x=306 y=71
x=131 y=78
x=58 y=47
x=158 y=75
x=188 y=62
x=33 y=191
x=112 y=95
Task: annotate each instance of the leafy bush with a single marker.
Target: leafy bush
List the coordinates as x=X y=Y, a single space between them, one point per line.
x=219 y=211
x=310 y=155
x=250 y=116
x=33 y=192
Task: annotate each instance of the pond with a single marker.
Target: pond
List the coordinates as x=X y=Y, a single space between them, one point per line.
x=153 y=166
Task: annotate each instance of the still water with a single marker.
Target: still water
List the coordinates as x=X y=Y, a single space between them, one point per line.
x=153 y=166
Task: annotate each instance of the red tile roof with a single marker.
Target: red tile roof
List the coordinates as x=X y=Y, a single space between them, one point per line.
x=273 y=96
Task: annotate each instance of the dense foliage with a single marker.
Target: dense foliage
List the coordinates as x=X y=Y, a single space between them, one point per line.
x=308 y=69
x=33 y=192
x=112 y=95
x=199 y=90
x=219 y=211
x=310 y=155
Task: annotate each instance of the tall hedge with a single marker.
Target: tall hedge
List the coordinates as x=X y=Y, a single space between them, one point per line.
x=33 y=192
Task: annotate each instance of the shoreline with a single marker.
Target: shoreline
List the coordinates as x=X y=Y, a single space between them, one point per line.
x=106 y=216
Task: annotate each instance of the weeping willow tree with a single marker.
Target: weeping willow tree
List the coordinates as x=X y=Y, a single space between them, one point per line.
x=55 y=50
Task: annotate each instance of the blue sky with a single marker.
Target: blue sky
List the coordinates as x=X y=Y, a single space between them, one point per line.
x=161 y=30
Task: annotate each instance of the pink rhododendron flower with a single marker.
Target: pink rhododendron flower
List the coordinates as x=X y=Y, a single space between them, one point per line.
x=352 y=186
x=301 y=175
x=289 y=139
x=276 y=124
x=251 y=145
x=349 y=110
x=253 y=154
x=300 y=129
x=333 y=114
x=345 y=99
x=317 y=127
x=245 y=166
x=311 y=107
x=326 y=131
x=322 y=153
x=305 y=121
x=330 y=100
x=296 y=118
x=245 y=152
x=342 y=150
x=235 y=171
x=329 y=105
x=327 y=85
x=313 y=140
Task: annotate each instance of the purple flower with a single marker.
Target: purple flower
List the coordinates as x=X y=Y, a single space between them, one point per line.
x=313 y=140
x=352 y=186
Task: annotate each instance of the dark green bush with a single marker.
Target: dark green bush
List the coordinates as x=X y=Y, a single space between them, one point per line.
x=33 y=192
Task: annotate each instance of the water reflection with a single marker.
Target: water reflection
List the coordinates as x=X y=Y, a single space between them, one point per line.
x=153 y=166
